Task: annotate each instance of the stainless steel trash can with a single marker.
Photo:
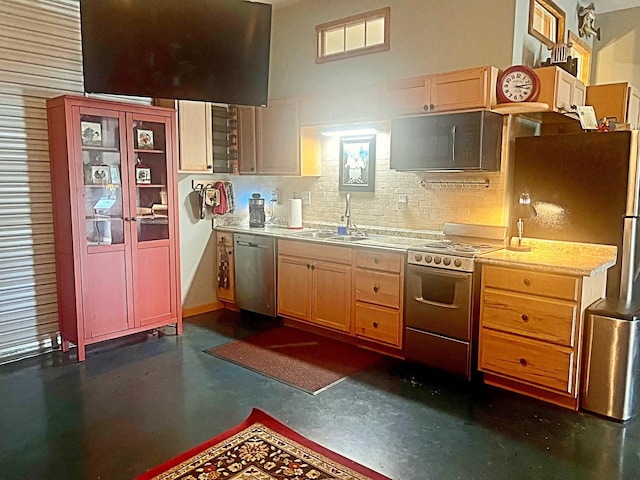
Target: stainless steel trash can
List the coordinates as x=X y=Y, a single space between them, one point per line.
x=611 y=359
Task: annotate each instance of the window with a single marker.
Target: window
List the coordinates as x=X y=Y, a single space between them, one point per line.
x=352 y=36
x=546 y=22
x=582 y=51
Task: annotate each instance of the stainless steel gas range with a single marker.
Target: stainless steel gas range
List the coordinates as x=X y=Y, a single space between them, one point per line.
x=442 y=297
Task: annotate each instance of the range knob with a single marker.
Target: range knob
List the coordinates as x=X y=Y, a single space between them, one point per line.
x=437 y=260
x=457 y=262
x=427 y=259
x=418 y=257
x=446 y=260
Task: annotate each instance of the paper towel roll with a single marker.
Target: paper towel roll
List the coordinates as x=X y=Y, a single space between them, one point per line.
x=295 y=213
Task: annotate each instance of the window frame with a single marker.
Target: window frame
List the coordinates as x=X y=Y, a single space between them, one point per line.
x=586 y=52
x=343 y=23
x=556 y=12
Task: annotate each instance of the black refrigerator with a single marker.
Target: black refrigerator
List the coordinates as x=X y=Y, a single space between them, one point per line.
x=585 y=187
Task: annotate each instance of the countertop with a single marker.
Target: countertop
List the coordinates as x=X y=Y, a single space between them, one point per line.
x=569 y=258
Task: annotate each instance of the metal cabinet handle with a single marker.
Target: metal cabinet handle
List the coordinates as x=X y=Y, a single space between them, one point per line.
x=209 y=167
x=523 y=362
x=426 y=107
x=375 y=324
x=375 y=260
x=313 y=267
x=308 y=265
x=376 y=288
x=127 y=219
x=527 y=282
x=525 y=317
x=431 y=106
x=453 y=144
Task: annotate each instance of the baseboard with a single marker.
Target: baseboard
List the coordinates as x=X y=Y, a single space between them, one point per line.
x=211 y=307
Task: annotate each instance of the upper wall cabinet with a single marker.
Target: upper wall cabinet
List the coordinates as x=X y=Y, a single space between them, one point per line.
x=340 y=106
x=468 y=89
x=616 y=100
x=271 y=141
x=560 y=90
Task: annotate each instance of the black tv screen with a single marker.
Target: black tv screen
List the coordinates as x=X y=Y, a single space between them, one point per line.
x=207 y=50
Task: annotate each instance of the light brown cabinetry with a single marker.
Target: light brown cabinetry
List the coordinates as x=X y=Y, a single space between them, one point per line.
x=560 y=90
x=115 y=218
x=616 y=100
x=314 y=284
x=378 y=290
x=271 y=141
x=225 y=289
x=531 y=330
x=467 y=89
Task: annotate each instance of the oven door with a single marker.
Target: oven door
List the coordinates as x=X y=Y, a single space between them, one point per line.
x=439 y=301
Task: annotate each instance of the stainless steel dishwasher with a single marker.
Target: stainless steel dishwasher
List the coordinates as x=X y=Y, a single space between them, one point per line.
x=255 y=273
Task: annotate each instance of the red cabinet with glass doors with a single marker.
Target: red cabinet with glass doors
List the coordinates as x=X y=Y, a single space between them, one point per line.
x=115 y=219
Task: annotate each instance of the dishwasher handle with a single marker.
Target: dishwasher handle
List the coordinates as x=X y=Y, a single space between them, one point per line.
x=241 y=243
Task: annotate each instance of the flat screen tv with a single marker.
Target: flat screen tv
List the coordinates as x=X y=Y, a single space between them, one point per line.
x=207 y=50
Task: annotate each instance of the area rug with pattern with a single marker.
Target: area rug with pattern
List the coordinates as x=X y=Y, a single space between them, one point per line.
x=304 y=360
x=260 y=448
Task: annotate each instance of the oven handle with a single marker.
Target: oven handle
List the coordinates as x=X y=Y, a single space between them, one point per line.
x=435 y=304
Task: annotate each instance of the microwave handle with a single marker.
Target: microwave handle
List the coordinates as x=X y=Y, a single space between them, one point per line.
x=453 y=143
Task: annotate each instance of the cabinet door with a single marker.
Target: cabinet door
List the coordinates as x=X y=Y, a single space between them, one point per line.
x=225 y=288
x=279 y=138
x=194 y=123
x=151 y=218
x=294 y=287
x=579 y=95
x=331 y=297
x=461 y=90
x=103 y=172
x=247 y=140
x=403 y=97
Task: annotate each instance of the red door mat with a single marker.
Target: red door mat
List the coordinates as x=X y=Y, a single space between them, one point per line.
x=301 y=359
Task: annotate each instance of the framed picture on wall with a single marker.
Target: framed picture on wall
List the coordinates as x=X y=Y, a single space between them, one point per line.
x=357 y=164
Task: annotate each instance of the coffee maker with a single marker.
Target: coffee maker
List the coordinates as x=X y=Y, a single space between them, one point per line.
x=256 y=211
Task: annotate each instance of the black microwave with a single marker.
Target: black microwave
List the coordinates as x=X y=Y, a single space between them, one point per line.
x=470 y=141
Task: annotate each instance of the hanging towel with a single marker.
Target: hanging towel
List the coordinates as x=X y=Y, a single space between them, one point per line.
x=231 y=203
x=222 y=207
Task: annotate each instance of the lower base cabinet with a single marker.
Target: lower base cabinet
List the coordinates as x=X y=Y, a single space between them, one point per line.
x=314 y=284
x=531 y=325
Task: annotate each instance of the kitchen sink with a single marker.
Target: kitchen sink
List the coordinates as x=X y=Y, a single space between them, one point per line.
x=347 y=238
x=315 y=234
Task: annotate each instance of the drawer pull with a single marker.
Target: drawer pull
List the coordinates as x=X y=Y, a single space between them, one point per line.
x=523 y=362
x=308 y=265
x=525 y=317
x=375 y=260
x=527 y=282
x=376 y=288
x=375 y=324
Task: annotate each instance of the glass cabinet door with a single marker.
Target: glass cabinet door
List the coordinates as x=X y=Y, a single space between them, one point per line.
x=102 y=179
x=150 y=177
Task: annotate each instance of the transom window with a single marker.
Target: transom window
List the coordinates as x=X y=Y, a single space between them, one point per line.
x=582 y=51
x=546 y=21
x=356 y=35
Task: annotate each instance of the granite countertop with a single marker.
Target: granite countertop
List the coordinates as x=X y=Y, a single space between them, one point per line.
x=569 y=258
x=400 y=240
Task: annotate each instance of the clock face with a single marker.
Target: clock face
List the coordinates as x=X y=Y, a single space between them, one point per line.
x=518 y=84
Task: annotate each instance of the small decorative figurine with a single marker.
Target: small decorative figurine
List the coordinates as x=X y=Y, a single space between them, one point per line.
x=586 y=20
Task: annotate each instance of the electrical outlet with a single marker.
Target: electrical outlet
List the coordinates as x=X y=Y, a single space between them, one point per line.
x=306 y=197
x=402 y=202
x=275 y=196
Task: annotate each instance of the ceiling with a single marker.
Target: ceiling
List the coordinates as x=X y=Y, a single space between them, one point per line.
x=602 y=6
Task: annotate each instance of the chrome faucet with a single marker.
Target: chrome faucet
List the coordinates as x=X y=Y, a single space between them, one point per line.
x=347 y=213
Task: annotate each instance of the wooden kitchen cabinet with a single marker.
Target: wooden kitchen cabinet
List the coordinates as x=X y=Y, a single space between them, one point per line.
x=378 y=290
x=225 y=287
x=115 y=218
x=560 y=90
x=314 y=284
x=531 y=324
x=271 y=141
x=468 y=89
x=616 y=100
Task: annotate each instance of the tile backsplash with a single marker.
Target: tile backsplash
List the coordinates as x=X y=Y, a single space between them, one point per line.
x=431 y=199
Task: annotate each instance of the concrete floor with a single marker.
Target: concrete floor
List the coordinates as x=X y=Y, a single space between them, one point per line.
x=138 y=401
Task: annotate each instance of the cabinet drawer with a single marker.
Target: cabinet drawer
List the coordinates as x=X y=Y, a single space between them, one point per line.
x=378 y=287
x=535 y=317
x=378 y=323
x=376 y=260
x=534 y=283
x=533 y=362
x=315 y=251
